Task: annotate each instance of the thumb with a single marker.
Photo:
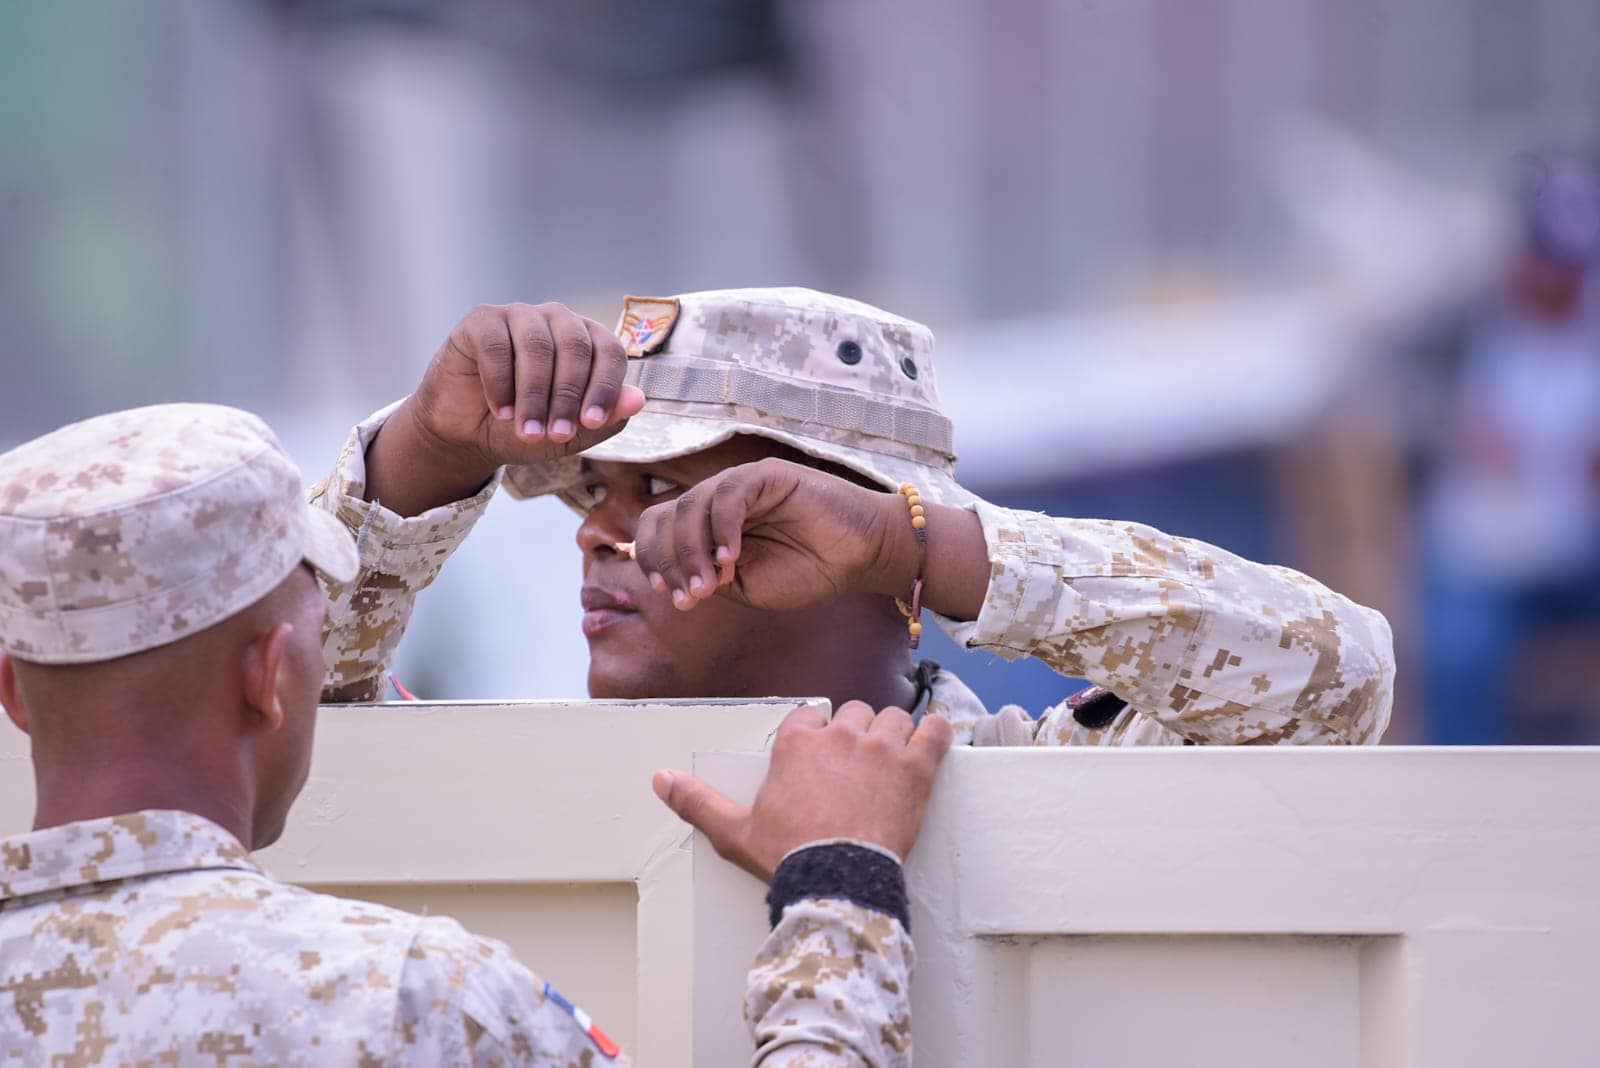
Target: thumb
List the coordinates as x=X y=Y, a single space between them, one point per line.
x=702 y=807
x=629 y=404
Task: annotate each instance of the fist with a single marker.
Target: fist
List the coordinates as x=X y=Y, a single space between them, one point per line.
x=520 y=383
x=773 y=535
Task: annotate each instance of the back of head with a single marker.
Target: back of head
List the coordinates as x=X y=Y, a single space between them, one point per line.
x=141 y=556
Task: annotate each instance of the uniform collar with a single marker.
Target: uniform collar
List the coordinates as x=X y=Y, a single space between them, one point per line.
x=941 y=692
x=115 y=847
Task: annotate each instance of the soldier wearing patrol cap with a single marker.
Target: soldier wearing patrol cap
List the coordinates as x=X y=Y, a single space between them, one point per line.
x=784 y=507
x=161 y=621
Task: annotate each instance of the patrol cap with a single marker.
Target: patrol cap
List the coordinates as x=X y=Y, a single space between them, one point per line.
x=835 y=378
x=132 y=530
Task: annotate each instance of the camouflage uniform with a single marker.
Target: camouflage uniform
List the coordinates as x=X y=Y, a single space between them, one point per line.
x=152 y=938
x=1199 y=646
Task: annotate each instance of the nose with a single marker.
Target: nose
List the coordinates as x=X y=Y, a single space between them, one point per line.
x=605 y=525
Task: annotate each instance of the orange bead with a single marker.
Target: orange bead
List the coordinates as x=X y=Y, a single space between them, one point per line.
x=919 y=521
x=907 y=488
x=915 y=628
x=916 y=509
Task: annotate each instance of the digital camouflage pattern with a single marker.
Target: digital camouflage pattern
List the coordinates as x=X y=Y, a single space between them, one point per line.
x=152 y=938
x=831 y=376
x=829 y=988
x=132 y=530
x=399 y=557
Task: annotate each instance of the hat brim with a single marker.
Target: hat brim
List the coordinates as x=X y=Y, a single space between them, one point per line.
x=330 y=548
x=654 y=437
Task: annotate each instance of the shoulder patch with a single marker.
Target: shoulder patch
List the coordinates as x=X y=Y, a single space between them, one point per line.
x=646 y=324
x=602 y=1041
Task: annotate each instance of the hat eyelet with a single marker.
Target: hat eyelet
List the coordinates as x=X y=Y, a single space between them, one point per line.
x=849 y=353
x=909 y=366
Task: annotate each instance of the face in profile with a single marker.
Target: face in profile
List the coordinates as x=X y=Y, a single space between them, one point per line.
x=640 y=646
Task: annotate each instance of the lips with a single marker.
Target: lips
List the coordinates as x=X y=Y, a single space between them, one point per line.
x=604 y=608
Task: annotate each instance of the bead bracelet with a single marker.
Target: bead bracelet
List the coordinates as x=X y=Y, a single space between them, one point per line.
x=919 y=523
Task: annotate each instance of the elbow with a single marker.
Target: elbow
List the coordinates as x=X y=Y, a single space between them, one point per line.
x=1366 y=669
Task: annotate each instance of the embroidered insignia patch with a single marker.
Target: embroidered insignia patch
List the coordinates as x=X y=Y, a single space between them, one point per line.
x=646 y=324
x=603 y=1042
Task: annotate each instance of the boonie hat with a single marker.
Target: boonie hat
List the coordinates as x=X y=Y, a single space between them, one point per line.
x=132 y=530
x=835 y=378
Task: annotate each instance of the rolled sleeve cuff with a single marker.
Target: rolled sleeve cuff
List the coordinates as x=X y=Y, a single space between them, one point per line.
x=385 y=539
x=1027 y=562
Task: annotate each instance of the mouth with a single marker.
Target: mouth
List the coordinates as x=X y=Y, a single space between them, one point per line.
x=603 y=609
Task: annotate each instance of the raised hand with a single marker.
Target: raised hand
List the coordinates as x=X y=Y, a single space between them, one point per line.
x=512 y=384
x=774 y=535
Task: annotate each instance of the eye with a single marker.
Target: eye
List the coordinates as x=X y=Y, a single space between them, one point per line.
x=591 y=493
x=656 y=486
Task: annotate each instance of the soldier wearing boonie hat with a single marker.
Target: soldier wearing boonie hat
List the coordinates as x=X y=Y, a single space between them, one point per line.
x=162 y=632
x=1186 y=643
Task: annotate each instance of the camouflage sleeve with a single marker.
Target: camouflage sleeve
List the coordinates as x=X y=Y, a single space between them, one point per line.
x=1213 y=647
x=466 y=1000
x=831 y=986
x=399 y=558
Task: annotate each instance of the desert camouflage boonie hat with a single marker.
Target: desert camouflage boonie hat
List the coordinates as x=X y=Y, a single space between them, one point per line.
x=837 y=379
x=132 y=530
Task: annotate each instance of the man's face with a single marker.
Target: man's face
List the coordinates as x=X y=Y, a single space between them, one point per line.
x=285 y=759
x=639 y=644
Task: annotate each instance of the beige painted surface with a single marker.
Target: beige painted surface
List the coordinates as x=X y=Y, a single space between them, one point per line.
x=1208 y=907
x=534 y=823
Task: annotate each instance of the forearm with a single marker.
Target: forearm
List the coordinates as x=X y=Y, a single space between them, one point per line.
x=1220 y=649
x=410 y=469
x=832 y=981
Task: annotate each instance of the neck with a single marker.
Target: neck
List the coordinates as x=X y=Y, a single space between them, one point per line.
x=850 y=651
x=68 y=793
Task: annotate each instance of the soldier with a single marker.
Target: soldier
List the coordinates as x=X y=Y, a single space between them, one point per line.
x=161 y=620
x=758 y=491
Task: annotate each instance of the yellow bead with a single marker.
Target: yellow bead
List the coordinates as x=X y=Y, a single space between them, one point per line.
x=913 y=500
x=915 y=628
x=916 y=509
x=919 y=521
x=907 y=488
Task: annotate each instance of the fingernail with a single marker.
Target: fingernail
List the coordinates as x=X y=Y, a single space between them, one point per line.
x=661 y=783
x=724 y=554
x=658 y=583
x=532 y=429
x=504 y=413
x=697 y=584
x=561 y=428
x=594 y=416
x=680 y=598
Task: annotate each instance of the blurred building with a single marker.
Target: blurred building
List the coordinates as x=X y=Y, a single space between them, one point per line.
x=286 y=205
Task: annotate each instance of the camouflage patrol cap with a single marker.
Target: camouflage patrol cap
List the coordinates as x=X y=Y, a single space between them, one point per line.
x=837 y=379
x=135 y=529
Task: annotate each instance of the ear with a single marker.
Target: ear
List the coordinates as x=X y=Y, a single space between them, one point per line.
x=263 y=667
x=11 y=694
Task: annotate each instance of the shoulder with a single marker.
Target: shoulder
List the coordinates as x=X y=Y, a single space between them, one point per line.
x=495 y=1008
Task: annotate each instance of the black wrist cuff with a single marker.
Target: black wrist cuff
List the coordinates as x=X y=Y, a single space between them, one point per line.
x=843 y=871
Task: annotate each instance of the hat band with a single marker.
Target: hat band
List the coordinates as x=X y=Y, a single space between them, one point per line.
x=678 y=379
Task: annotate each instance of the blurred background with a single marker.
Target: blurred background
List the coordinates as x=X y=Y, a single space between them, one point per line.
x=1308 y=279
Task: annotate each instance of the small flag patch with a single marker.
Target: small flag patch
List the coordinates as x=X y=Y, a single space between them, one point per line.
x=646 y=324
x=604 y=1042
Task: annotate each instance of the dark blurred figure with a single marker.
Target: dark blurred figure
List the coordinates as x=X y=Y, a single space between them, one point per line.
x=1509 y=466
